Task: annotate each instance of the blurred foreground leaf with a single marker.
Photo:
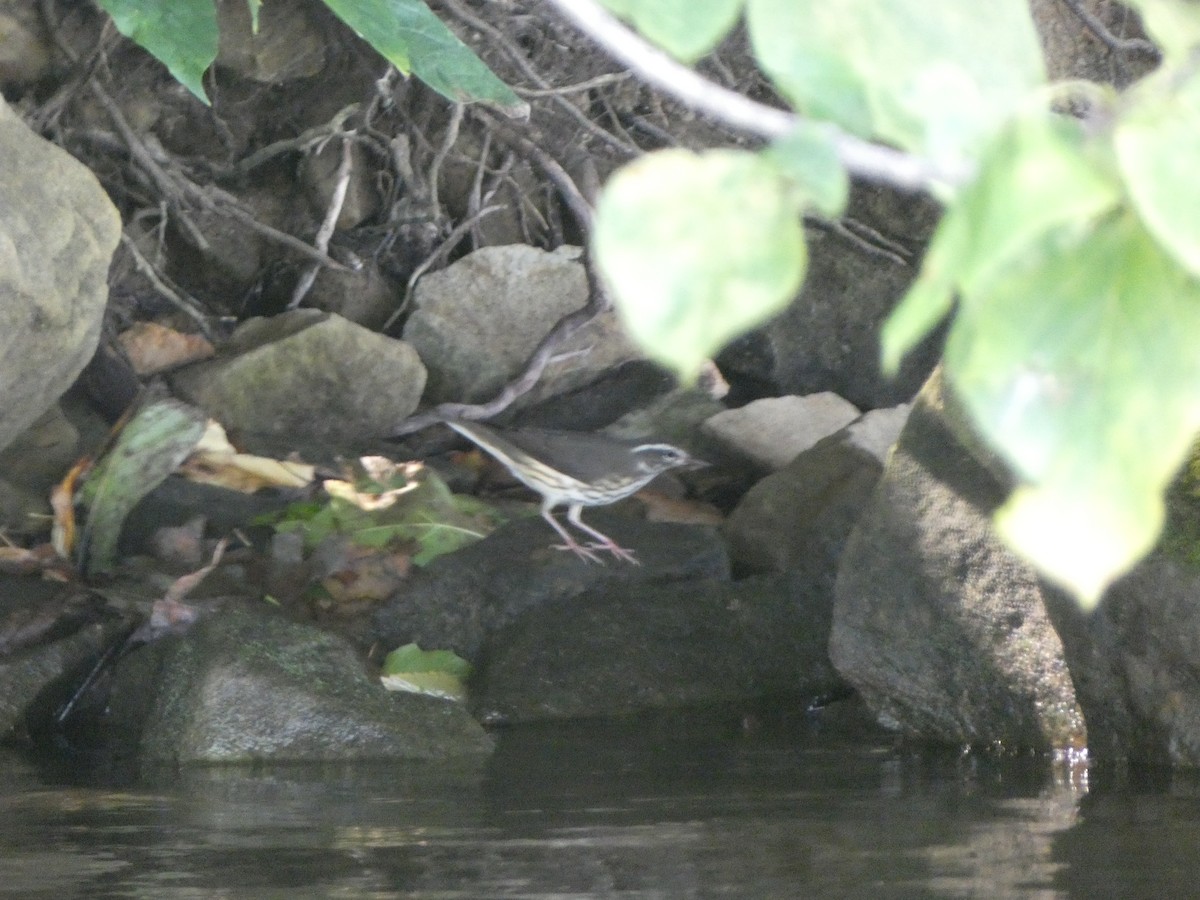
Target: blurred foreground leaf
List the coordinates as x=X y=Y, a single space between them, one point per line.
x=1066 y=366
x=699 y=248
x=687 y=29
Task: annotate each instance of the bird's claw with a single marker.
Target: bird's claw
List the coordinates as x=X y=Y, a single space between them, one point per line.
x=617 y=551
x=584 y=553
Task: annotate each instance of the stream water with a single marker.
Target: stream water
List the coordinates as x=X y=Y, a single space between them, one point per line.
x=654 y=807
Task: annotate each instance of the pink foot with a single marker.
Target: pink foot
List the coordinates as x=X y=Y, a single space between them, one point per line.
x=584 y=553
x=616 y=550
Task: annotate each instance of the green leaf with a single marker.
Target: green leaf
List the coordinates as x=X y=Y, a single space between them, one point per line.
x=927 y=302
x=182 y=34
x=1037 y=175
x=687 y=29
x=411 y=658
x=1067 y=369
x=809 y=158
x=698 y=248
x=1173 y=24
x=1157 y=142
x=801 y=45
x=150 y=447
x=439 y=673
x=426 y=513
x=414 y=40
x=932 y=76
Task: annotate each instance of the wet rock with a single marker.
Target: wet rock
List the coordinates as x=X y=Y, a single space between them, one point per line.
x=1136 y=658
x=1072 y=52
x=49 y=641
x=622 y=648
x=306 y=377
x=363 y=296
x=940 y=628
x=246 y=685
x=462 y=598
x=57 y=237
x=476 y=323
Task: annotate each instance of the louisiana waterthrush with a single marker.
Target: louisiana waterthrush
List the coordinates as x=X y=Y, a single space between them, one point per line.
x=576 y=470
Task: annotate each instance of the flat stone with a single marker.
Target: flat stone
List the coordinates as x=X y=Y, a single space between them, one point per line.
x=773 y=431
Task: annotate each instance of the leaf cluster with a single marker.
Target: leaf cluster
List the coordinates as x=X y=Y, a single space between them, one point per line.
x=1071 y=255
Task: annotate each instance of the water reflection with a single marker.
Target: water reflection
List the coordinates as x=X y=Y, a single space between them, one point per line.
x=667 y=807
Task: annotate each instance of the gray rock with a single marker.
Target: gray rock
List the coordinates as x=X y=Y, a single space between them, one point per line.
x=878 y=430
x=32 y=463
x=245 y=685
x=477 y=321
x=624 y=648
x=26 y=54
x=57 y=236
x=798 y=519
x=939 y=627
x=459 y=600
x=27 y=675
x=1072 y=52
x=771 y=432
x=1136 y=658
x=364 y=296
x=306 y=377
x=828 y=339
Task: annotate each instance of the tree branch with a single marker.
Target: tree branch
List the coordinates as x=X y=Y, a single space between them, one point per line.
x=873 y=162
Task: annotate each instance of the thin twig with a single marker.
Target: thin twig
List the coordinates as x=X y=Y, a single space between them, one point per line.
x=167 y=186
x=518 y=58
x=435 y=167
x=863 y=158
x=567 y=189
x=549 y=347
x=578 y=87
x=185 y=305
x=1139 y=46
x=300 y=143
x=442 y=250
x=325 y=232
x=230 y=205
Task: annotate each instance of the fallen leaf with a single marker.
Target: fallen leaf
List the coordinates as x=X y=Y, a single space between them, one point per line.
x=153 y=348
x=215 y=461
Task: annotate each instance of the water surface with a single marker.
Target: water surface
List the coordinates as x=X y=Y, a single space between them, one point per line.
x=654 y=807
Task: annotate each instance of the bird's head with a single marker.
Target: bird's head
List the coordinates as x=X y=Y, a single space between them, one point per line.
x=655 y=458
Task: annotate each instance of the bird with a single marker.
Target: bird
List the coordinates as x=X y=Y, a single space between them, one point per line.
x=577 y=469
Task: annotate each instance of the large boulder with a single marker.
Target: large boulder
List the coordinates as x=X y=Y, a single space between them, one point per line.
x=58 y=231
x=941 y=628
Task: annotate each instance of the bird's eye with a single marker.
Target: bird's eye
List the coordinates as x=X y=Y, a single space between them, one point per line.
x=675 y=457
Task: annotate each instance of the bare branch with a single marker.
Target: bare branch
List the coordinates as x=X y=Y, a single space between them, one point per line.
x=863 y=158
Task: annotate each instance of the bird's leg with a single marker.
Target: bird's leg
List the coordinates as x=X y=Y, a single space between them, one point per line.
x=569 y=543
x=603 y=541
